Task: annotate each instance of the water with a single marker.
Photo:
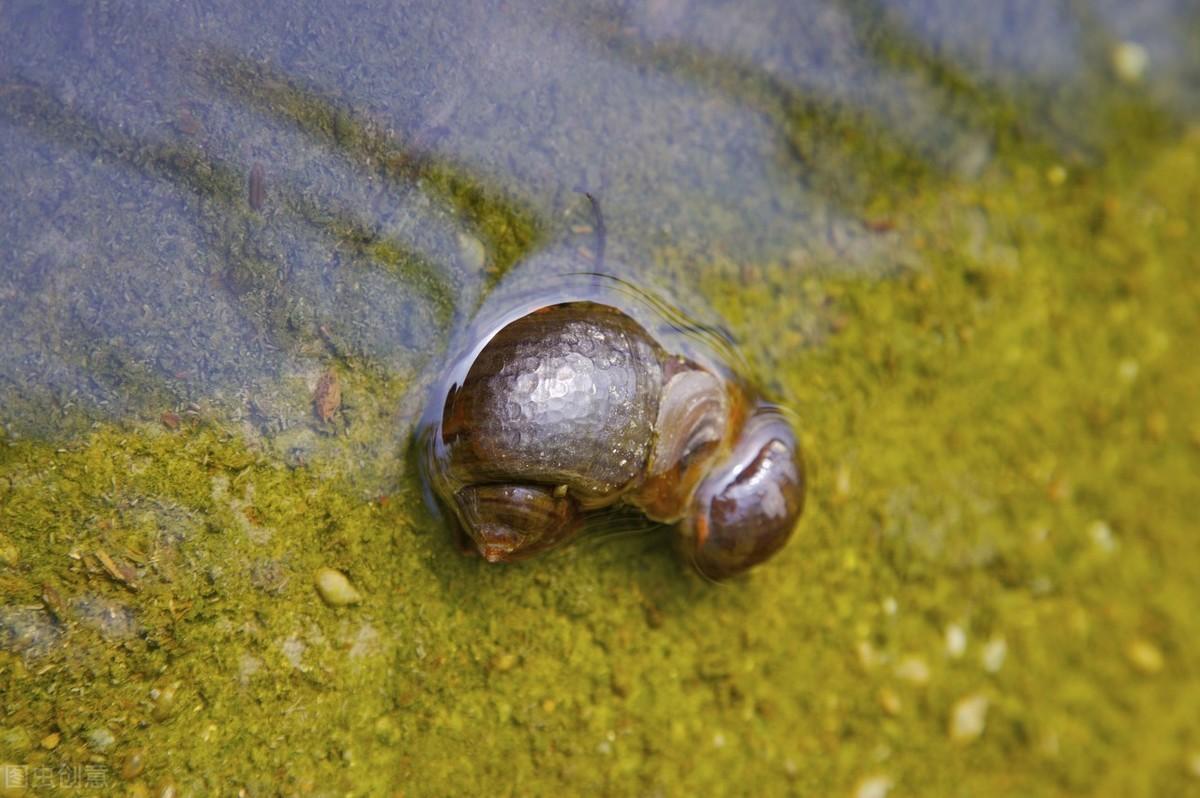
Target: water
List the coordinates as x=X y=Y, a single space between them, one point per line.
x=957 y=242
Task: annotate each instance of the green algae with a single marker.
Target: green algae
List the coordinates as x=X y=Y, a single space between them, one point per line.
x=1003 y=447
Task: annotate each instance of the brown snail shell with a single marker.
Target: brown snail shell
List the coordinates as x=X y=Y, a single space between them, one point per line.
x=573 y=407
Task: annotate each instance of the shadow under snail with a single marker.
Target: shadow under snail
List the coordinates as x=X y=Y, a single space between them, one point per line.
x=574 y=407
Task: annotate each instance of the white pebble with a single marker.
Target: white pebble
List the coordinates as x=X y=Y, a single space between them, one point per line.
x=873 y=787
x=1129 y=61
x=968 y=717
x=993 y=654
x=1127 y=369
x=913 y=670
x=1102 y=536
x=956 y=641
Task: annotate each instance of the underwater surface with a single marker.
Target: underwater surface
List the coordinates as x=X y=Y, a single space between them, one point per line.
x=959 y=241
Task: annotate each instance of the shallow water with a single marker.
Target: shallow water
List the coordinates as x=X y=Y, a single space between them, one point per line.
x=960 y=245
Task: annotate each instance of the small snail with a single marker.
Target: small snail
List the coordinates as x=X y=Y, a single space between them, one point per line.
x=567 y=408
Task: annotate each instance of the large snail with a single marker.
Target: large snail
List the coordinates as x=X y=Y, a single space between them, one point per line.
x=565 y=409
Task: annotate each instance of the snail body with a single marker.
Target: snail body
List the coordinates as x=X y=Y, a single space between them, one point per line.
x=574 y=407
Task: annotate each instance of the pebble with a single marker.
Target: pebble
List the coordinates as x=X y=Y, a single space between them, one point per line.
x=993 y=655
x=327 y=398
x=1145 y=656
x=50 y=741
x=1129 y=61
x=10 y=555
x=1102 y=536
x=471 y=250
x=913 y=670
x=335 y=588
x=133 y=764
x=164 y=701
x=968 y=717
x=873 y=787
x=504 y=662
x=100 y=739
x=956 y=641
x=1128 y=369
x=889 y=701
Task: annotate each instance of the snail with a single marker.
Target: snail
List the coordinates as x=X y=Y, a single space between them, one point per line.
x=563 y=409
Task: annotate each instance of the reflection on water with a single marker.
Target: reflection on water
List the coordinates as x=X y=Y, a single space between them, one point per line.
x=413 y=157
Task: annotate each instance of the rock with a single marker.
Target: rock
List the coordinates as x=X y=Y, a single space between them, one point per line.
x=1129 y=61
x=335 y=588
x=873 y=787
x=471 y=250
x=112 y=619
x=100 y=739
x=993 y=655
x=27 y=631
x=164 y=701
x=968 y=717
x=890 y=702
x=956 y=641
x=913 y=670
x=1144 y=656
x=327 y=398
x=133 y=764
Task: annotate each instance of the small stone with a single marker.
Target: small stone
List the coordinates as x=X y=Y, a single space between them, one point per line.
x=956 y=641
x=164 y=701
x=1129 y=61
x=10 y=555
x=1128 y=369
x=327 y=397
x=842 y=484
x=471 y=250
x=889 y=701
x=994 y=652
x=1145 y=656
x=504 y=662
x=868 y=656
x=335 y=588
x=100 y=739
x=968 y=717
x=133 y=764
x=913 y=670
x=1102 y=536
x=50 y=741
x=1157 y=425
x=873 y=787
